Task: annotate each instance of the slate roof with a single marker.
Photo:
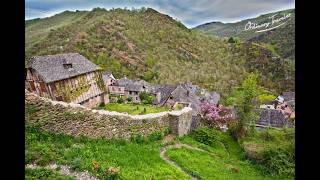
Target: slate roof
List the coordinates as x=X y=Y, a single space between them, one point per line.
x=288 y=96
x=130 y=85
x=106 y=76
x=51 y=68
x=165 y=91
x=274 y=118
x=180 y=94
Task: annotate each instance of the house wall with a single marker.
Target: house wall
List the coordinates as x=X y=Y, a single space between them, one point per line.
x=116 y=90
x=35 y=84
x=170 y=103
x=82 y=89
x=288 y=111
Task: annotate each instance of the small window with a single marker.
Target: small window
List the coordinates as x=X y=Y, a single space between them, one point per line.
x=67 y=65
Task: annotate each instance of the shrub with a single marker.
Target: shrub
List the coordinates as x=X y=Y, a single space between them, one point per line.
x=129 y=99
x=205 y=135
x=156 y=136
x=280 y=160
x=120 y=100
x=146 y=98
x=102 y=105
x=76 y=163
x=137 y=138
x=265 y=98
x=111 y=173
x=148 y=75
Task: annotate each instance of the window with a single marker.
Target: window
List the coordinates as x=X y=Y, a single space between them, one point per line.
x=67 y=65
x=119 y=89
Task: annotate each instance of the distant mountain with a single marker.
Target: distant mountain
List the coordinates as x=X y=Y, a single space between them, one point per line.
x=281 y=39
x=153 y=46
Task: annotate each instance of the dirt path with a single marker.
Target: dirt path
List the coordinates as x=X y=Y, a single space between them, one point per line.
x=65 y=170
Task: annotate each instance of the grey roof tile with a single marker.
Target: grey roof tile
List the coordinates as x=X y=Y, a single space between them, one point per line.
x=51 y=68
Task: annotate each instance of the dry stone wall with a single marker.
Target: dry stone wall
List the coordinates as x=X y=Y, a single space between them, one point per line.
x=74 y=119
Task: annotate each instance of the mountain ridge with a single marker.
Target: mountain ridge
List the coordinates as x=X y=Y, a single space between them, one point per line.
x=282 y=38
x=146 y=44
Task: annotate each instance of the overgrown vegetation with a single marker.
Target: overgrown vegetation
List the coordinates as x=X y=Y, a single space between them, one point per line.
x=133 y=160
x=146 y=98
x=42 y=173
x=225 y=159
x=274 y=149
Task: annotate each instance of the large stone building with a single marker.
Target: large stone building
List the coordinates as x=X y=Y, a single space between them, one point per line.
x=66 y=77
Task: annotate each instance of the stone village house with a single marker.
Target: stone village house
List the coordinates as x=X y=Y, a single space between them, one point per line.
x=278 y=113
x=125 y=87
x=66 y=77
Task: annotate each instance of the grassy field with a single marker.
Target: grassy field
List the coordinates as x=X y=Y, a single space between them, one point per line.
x=134 y=109
x=139 y=158
x=134 y=160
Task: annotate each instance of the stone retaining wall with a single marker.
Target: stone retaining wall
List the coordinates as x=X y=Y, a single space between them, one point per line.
x=74 y=119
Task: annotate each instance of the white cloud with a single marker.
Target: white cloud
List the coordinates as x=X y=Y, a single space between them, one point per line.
x=190 y=12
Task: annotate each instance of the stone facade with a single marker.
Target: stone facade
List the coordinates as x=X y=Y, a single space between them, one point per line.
x=75 y=119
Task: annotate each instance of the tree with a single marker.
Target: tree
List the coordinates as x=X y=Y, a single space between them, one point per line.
x=215 y=115
x=245 y=105
x=146 y=98
x=148 y=75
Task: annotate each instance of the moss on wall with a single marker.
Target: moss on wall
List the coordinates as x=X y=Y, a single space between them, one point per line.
x=71 y=93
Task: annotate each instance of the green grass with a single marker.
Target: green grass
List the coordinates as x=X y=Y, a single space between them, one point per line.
x=42 y=173
x=273 y=149
x=135 y=160
x=205 y=166
x=134 y=109
x=139 y=158
x=229 y=161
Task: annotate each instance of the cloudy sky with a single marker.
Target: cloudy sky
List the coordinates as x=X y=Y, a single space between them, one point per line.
x=189 y=12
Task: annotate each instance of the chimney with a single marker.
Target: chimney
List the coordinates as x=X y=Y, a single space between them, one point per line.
x=158 y=96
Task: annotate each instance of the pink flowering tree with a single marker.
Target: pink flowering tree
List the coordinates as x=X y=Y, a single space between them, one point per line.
x=216 y=115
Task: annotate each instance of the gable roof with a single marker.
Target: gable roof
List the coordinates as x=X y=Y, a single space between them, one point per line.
x=51 y=68
x=130 y=85
x=181 y=94
x=107 y=75
x=165 y=92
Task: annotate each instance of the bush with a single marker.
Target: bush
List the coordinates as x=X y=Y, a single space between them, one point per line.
x=156 y=136
x=280 y=160
x=146 y=98
x=206 y=136
x=137 y=138
x=76 y=164
x=120 y=100
x=129 y=99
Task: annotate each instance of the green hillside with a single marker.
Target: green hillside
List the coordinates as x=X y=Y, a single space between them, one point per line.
x=281 y=38
x=147 y=44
